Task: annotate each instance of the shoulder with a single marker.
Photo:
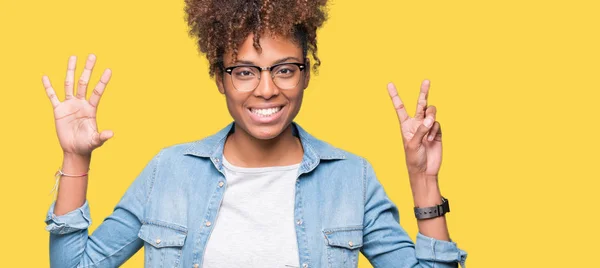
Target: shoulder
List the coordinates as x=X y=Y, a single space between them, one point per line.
x=179 y=148
x=325 y=151
x=205 y=147
x=183 y=152
x=341 y=162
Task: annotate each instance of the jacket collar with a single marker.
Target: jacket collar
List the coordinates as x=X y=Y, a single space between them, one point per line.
x=314 y=149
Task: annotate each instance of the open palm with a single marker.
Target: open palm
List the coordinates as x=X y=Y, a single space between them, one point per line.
x=75 y=117
x=421 y=134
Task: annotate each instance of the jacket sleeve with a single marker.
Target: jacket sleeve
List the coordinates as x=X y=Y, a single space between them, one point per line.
x=386 y=244
x=114 y=241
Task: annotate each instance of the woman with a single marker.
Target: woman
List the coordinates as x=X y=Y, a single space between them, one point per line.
x=261 y=192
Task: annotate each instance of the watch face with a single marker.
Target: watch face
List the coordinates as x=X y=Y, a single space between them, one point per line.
x=445 y=206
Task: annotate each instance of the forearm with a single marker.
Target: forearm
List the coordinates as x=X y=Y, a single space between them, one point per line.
x=114 y=240
x=72 y=190
x=387 y=244
x=426 y=193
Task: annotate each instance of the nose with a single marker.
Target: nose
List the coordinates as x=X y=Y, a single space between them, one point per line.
x=266 y=86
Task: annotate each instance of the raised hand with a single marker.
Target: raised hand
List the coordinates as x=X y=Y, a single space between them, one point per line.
x=421 y=134
x=75 y=117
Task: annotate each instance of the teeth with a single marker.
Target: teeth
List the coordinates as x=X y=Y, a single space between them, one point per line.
x=266 y=112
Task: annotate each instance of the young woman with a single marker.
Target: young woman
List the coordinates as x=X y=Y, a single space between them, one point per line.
x=262 y=192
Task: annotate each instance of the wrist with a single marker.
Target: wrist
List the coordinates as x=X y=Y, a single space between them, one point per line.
x=426 y=191
x=75 y=164
x=423 y=182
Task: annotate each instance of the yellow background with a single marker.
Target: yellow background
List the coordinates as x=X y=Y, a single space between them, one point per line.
x=515 y=82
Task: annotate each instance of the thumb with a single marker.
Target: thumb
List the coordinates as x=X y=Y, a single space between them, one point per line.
x=421 y=132
x=100 y=138
x=105 y=135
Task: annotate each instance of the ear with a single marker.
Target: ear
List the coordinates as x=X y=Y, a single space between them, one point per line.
x=307 y=73
x=219 y=80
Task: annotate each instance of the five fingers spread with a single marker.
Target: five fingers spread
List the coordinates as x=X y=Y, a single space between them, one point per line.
x=82 y=85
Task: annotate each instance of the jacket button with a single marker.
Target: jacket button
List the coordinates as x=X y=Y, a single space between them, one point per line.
x=299 y=222
x=305 y=265
x=196 y=265
x=157 y=241
x=208 y=223
x=350 y=243
x=221 y=184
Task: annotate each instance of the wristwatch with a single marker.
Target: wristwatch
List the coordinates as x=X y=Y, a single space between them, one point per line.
x=432 y=212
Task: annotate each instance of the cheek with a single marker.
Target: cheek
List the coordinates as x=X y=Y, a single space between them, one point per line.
x=297 y=100
x=234 y=105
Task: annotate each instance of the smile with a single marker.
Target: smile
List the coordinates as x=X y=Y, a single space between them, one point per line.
x=265 y=112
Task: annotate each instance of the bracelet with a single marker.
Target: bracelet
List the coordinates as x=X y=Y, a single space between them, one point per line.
x=61 y=173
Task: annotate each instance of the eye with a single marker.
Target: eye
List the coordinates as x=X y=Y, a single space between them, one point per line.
x=285 y=71
x=244 y=73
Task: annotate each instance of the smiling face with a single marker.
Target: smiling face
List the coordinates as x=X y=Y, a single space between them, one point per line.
x=268 y=110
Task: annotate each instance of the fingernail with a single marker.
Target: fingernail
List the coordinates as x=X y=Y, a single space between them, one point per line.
x=430 y=138
x=428 y=122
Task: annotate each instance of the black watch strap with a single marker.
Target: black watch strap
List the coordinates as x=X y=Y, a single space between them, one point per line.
x=432 y=212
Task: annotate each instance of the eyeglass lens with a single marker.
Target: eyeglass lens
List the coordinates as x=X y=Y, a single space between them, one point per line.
x=247 y=78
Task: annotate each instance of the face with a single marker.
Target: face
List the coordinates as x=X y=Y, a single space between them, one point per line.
x=268 y=110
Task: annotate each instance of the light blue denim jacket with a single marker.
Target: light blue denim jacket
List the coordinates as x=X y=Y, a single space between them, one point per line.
x=340 y=209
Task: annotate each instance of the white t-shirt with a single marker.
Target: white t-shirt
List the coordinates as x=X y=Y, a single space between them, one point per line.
x=255 y=224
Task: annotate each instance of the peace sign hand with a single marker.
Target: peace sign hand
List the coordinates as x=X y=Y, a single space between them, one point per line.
x=421 y=134
x=75 y=117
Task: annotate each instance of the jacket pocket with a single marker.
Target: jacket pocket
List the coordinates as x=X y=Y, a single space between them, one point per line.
x=162 y=245
x=343 y=246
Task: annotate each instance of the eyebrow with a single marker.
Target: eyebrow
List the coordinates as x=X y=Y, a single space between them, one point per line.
x=276 y=62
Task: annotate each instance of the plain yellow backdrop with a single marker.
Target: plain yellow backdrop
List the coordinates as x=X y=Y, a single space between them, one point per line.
x=515 y=83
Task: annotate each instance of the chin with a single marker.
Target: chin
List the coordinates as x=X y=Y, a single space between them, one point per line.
x=265 y=132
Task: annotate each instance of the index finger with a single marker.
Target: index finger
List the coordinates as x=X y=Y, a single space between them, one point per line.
x=99 y=89
x=398 y=104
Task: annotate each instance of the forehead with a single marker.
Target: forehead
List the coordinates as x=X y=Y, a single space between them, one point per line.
x=273 y=49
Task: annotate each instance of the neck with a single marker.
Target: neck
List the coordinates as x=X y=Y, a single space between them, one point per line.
x=242 y=149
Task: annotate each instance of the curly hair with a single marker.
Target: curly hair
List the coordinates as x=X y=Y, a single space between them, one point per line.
x=223 y=25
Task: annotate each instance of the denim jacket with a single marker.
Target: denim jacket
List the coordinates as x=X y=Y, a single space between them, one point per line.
x=340 y=209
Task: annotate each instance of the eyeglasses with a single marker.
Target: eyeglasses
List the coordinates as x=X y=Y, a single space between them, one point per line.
x=247 y=77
